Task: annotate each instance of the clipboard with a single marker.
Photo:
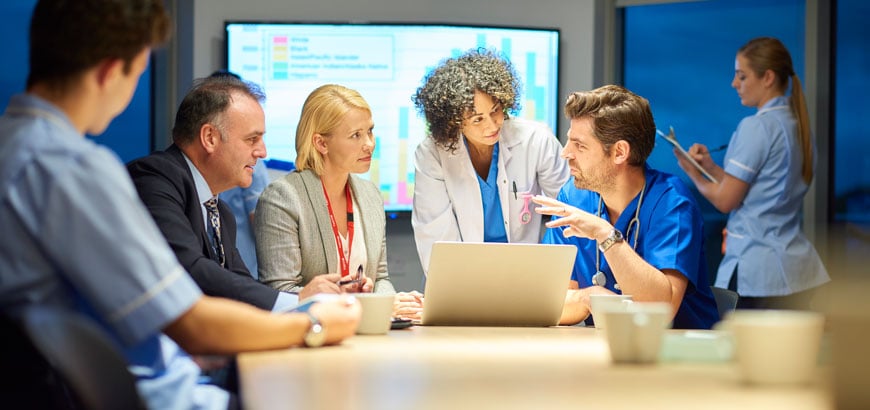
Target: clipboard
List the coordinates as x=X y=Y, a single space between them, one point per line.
x=671 y=138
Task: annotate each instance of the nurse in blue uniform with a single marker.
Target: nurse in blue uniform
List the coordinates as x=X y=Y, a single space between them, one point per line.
x=766 y=173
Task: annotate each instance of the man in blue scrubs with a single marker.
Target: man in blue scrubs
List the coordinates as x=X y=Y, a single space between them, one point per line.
x=638 y=231
x=77 y=237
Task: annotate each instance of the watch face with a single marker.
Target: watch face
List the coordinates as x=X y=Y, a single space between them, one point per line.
x=617 y=235
x=316 y=336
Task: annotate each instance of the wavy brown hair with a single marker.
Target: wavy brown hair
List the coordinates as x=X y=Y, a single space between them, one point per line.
x=617 y=114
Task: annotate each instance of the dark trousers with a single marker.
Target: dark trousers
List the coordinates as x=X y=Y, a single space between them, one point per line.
x=795 y=301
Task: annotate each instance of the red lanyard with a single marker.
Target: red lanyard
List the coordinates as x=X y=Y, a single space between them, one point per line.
x=345 y=260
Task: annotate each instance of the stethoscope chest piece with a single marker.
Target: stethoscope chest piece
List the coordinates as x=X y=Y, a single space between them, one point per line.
x=599 y=279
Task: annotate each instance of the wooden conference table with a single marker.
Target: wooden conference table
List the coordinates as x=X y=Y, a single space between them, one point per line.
x=498 y=367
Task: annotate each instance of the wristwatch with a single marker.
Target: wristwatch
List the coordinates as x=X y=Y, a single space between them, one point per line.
x=316 y=336
x=615 y=236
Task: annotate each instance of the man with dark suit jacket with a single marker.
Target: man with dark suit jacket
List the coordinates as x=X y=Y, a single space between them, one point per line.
x=217 y=140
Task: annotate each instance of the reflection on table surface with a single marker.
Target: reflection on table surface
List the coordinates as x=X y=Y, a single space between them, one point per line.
x=498 y=367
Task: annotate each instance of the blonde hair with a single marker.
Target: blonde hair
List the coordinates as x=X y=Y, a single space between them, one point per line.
x=768 y=53
x=322 y=112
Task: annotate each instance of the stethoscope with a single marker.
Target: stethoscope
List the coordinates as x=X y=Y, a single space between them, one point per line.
x=600 y=279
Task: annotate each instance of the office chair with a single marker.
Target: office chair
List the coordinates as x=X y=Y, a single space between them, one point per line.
x=726 y=300
x=81 y=355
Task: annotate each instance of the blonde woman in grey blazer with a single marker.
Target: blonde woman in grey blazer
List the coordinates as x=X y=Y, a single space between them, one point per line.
x=321 y=218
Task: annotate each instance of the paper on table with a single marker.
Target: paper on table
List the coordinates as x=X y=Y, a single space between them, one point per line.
x=672 y=139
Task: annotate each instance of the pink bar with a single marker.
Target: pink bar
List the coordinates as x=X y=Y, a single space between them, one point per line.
x=403 y=197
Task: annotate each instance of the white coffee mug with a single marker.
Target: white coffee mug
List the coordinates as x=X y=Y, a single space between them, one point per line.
x=635 y=334
x=377 y=310
x=776 y=346
x=599 y=303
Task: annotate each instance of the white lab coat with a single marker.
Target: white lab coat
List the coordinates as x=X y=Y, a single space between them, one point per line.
x=447 y=200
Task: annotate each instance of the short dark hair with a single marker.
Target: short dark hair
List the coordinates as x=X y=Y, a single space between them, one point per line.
x=206 y=102
x=617 y=114
x=68 y=37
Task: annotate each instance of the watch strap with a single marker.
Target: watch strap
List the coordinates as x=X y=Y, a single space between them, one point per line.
x=614 y=238
x=314 y=336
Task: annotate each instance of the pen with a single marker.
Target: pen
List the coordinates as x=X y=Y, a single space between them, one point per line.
x=717 y=149
x=515 y=189
x=359 y=275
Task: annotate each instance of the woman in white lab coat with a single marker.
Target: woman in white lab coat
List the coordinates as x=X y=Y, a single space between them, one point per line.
x=478 y=166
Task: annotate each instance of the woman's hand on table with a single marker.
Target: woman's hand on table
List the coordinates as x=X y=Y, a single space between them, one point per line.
x=408 y=305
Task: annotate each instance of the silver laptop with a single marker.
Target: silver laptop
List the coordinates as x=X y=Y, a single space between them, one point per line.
x=497 y=284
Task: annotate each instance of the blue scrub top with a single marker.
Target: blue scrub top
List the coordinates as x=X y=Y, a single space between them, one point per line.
x=493 y=219
x=671 y=236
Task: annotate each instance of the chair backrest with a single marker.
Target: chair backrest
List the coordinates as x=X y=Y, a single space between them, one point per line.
x=726 y=300
x=26 y=379
x=84 y=357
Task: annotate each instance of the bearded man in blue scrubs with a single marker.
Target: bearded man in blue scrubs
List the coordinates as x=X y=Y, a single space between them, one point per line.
x=638 y=231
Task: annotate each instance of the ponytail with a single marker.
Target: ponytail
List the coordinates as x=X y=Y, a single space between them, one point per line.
x=768 y=53
x=798 y=104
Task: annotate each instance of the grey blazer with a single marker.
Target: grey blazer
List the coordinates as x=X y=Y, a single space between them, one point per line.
x=294 y=237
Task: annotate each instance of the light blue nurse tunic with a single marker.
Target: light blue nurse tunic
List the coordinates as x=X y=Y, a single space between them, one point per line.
x=765 y=242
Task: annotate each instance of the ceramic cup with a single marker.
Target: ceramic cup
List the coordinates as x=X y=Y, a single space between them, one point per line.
x=610 y=302
x=776 y=346
x=377 y=310
x=634 y=335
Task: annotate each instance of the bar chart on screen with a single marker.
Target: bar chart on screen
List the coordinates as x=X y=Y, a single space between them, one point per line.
x=386 y=63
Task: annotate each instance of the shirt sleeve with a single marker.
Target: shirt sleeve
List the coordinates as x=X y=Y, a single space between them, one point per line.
x=674 y=240
x=107 y=246
x=276 y=228
x=432 y=217
x=748 y=149
x=285 y=302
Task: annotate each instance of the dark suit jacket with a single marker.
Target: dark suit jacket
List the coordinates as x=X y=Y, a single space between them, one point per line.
x=166 y=186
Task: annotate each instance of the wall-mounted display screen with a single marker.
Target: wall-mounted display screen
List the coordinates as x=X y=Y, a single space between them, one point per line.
x=386 y=63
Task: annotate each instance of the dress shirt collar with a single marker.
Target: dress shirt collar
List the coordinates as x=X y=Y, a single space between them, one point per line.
x=203 y=192
x=775 y=101
x=31 y=104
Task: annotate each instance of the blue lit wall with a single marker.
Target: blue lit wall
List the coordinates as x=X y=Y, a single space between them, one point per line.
x=681 y=57
x=852 y=147
x=129 y=135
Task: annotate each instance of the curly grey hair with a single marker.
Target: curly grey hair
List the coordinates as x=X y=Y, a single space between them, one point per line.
x=447 y=94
